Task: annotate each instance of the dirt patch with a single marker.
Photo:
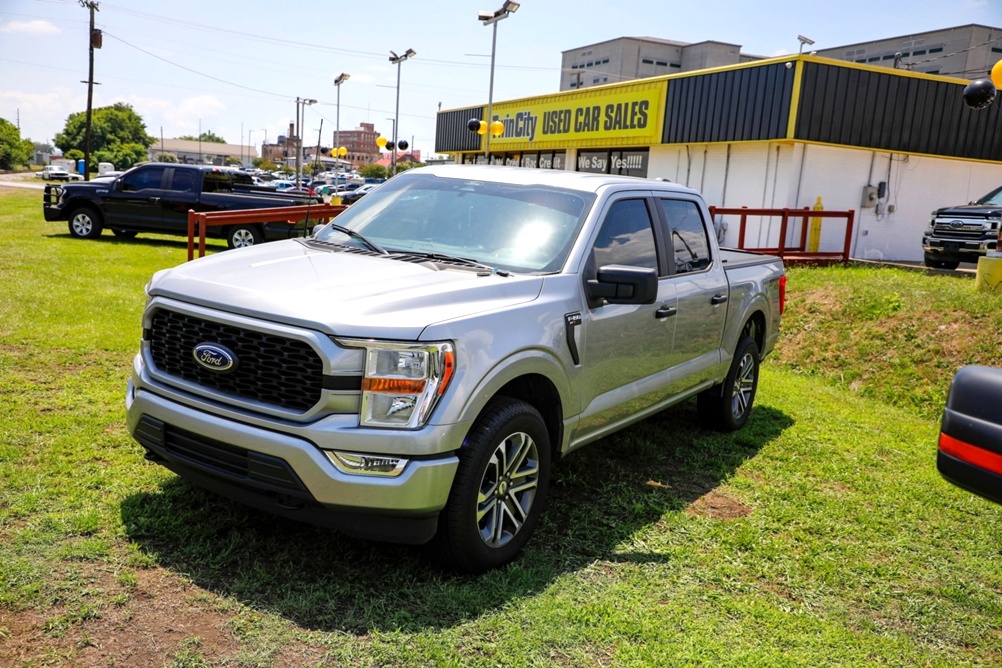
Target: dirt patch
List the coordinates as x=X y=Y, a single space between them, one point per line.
x=161 y=617
x=716 y=506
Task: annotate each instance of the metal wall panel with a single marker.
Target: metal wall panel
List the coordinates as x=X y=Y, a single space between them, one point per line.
x=451 y=133
x=894 y=112
x=742 y=104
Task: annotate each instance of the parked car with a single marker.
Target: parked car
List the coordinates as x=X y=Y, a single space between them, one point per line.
x=57 y=173
x=963 y=233
x=352 y=196
x=970 y=439
x=410 y=371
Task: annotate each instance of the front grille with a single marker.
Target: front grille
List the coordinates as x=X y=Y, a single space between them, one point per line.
x=270 y=369
x=961 y=230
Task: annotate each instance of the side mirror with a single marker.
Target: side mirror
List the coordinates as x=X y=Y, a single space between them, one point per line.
x=620 y=284
x=317 y=228
x=970 y=439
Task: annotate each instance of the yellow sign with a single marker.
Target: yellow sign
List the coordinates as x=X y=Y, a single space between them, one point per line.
x=630 y=112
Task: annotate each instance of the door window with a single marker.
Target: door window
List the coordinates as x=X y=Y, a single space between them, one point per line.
x=688 y=235
x=142 y=179
x=183 y=180
x=626 y=236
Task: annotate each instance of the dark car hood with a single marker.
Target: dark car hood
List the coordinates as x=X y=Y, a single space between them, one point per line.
x=969 y=210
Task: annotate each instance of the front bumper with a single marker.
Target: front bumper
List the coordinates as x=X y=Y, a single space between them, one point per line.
x=287 y=474
x=958 y=247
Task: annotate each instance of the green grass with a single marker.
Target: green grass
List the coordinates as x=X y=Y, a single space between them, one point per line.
x=819 y=535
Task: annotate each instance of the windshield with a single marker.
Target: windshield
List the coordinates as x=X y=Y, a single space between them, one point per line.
x=516 y=228
x=994 y=197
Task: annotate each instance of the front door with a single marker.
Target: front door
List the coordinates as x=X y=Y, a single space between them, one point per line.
x=135 y=201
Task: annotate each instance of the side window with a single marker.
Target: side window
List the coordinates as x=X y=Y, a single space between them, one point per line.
x=142 y=179
x=183 y=180
x=626 y=236
x=688 y=235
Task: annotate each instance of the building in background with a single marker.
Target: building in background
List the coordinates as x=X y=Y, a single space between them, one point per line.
x=967 y=51
x=626 y=58
x=190 y=152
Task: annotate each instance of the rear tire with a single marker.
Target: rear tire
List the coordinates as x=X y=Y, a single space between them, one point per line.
x=499 y=490
x=726 y=407
x=86 y=223
x=242 y=236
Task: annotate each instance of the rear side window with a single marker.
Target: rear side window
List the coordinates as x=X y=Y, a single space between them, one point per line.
x=183 y=180
x=626 y=236
x=216 y=182
x=688 y=235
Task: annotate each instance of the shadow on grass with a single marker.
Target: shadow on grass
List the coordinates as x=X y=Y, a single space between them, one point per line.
x=321 y=580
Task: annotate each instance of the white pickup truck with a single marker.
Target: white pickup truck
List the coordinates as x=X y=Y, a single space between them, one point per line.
x=57 y=173
x=411 y=371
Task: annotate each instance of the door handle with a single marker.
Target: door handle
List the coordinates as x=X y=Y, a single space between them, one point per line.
x=154 y=200
x=665 y=312
x=718 y=299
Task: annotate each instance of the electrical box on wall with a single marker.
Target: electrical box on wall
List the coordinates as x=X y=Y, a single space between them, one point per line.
x=869 y=197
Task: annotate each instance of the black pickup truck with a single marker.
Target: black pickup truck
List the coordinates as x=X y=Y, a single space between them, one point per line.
x=156 y=197
x=963 y=233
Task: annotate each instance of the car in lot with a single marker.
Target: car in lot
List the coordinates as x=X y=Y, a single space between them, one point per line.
x=57 y=173
x=352 y=196
x=409 y=371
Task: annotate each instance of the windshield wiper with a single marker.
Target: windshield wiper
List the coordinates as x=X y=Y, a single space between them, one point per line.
x=359 y=237
x=455 y=259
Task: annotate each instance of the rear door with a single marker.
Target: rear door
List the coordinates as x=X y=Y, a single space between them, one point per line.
x=134 y=202
x=702 y=292
x=626 y=348
x=180 y=195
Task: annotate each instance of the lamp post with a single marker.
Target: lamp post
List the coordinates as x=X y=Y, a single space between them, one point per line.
x=491 y=19
x=250 y=141
x=300 y=102
x=397 y=60
x=338 y=80
x=265 y=142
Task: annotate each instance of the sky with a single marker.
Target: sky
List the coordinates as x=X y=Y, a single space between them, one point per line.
x=236 y=67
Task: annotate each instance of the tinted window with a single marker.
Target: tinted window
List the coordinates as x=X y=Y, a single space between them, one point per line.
x=142 y=179
x=626 y=236
x=183 y=180
x=688 y=235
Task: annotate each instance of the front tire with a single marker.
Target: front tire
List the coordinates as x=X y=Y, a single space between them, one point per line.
x=499 y=490
x=727 y=406
x=242 y=236
x=86 y=223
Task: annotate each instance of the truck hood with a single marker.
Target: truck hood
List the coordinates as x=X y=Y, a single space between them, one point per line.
x=341 y=293
x=968 y=210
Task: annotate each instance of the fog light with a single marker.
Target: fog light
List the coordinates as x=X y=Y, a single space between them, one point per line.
x=356 y=463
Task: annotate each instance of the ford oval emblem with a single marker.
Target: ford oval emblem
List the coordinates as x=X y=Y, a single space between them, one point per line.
x=215 y=357
x=956 y=224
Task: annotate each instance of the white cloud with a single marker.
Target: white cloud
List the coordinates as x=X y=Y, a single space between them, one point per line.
x=36 y=27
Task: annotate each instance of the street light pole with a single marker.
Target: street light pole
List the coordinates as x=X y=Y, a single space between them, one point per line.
x=398 y=60
x=340 y=79
x=300 y=102
x=491 y=19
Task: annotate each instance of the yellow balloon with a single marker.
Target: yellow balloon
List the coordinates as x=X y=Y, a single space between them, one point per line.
x=997 y=74
x=342 y=151
x=380 y=141
x=497 y=128
x=482 y=128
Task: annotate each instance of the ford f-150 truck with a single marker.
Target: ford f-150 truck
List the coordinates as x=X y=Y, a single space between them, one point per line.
x=410 y=372
x=963 y=233
x=156 y=197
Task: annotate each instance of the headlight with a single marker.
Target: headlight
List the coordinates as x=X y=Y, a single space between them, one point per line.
x=402 y=382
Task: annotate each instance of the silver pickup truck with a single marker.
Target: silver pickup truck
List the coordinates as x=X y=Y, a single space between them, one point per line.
x=410 y=372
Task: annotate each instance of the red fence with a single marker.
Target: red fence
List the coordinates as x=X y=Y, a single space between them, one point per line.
x=287 y=214
x=790 y=250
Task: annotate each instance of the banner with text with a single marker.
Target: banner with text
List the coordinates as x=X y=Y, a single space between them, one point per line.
x=630 y=114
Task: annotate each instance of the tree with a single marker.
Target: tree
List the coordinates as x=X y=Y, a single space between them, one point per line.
x=118 y=135
x=373 y=171
x=14 y=151
x=208 y=136
x=265 y=164
x=166 y=157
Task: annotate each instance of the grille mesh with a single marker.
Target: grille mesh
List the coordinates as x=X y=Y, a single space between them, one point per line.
x=271 y=369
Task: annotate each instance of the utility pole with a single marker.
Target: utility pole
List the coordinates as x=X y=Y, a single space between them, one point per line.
x=92 y=38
